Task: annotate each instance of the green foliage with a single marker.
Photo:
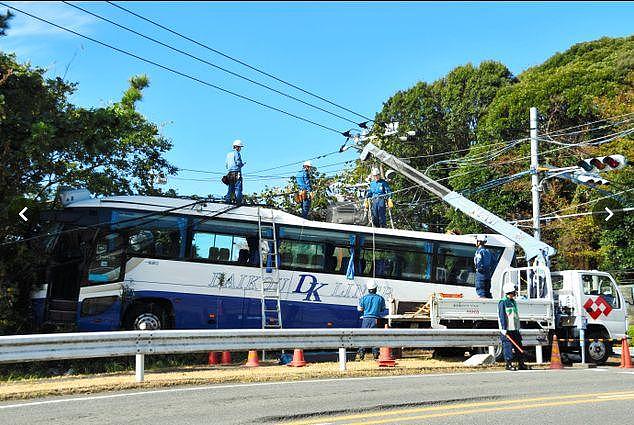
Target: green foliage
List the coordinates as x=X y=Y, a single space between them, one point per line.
x=475 y=110
x=45 y=143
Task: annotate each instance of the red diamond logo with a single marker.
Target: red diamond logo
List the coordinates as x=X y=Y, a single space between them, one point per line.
x=597 y=307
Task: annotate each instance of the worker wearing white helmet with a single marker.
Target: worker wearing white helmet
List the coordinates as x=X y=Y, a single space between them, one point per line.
x=372 y=305
x=305 y=195
x=483 y=261
x=233 y=178
x=379 y=194
x=509 y=323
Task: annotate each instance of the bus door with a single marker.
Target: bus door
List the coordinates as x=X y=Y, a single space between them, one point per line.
x=64 y=275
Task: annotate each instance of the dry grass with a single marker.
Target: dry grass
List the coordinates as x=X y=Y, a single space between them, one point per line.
x=267 y=372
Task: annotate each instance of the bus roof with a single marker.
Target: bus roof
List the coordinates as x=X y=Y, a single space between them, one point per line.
x=250 y=213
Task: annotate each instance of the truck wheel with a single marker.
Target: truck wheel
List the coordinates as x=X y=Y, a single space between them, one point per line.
x=598 y=351
x=498 y=353
x=146 y=317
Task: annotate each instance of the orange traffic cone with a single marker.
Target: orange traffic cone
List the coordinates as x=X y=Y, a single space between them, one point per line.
x=385 y=358
x=626 y=358
x=555 y=356
x=298 y=358
x=213 y=358
x=253 y=360
x=226 y=358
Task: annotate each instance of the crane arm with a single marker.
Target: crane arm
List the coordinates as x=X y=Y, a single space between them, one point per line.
x=533 y=247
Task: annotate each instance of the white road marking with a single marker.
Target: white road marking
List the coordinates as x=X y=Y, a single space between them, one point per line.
x=260 y=384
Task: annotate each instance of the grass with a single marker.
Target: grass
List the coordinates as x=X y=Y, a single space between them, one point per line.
x=630 y=333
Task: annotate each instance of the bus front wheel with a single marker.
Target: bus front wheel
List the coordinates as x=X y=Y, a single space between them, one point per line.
x=146 y=317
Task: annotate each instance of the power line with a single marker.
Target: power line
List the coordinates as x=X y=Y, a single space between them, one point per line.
x=554 y=132
x=235 y=74
x=174 y=71
x=237 y=60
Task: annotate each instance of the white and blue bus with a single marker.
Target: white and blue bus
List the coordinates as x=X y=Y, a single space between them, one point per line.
x=138 y=262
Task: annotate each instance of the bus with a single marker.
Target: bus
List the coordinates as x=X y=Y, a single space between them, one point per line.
x=142 y=262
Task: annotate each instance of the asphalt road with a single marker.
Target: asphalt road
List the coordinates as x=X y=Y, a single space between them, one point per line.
x=571 y=396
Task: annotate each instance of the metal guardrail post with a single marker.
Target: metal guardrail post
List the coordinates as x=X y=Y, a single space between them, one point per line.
x=140 y=367
x=539 y=356
x=342 y=359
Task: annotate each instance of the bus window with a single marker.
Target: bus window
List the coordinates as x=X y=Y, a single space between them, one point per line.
x=220 y=241
x=454 y=263
x=105 y=266
x=159 y=237
x=407 y=259
x=314 y=250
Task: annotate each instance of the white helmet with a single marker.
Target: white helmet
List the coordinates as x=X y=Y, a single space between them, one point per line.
x=376 y=172
x=307 y=164
x=371 y=284
x=238 y=143
x=508 y=287
x=481 y=238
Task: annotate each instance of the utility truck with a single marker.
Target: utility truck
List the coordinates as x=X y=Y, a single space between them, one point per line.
x=575 y=305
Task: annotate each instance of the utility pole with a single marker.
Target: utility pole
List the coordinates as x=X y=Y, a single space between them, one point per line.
x=535 y=174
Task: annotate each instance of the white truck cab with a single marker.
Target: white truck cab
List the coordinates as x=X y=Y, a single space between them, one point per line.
x=589 y=299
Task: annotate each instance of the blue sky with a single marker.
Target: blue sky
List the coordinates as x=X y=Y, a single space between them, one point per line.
x=356 y=54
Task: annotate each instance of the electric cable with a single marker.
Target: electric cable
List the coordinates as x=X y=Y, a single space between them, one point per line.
x=235 y=74
x=205 y=46
x=174 y=71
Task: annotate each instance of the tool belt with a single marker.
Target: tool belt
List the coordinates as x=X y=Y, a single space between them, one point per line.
x=231 y=177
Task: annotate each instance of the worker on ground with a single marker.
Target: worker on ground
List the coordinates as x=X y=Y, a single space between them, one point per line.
x=379 y=194
x=509 y=322
x=372 y=306
x=483 y=261
x=305 y=189
x=234 y=176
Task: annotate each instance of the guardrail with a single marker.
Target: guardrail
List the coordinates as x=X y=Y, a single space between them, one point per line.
x=61 y=346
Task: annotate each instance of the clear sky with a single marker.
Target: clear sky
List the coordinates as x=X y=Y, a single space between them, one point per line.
x=354 y=53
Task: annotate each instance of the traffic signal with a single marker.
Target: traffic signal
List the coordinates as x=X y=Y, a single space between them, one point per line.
x=603 y=163
x=590 y=178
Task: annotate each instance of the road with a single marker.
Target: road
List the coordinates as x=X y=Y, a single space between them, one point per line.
x=586 y=396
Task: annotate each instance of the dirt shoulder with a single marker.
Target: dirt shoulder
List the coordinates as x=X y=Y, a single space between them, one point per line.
x=205 y=375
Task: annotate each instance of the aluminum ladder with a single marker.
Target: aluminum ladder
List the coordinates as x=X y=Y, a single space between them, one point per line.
x=269 y=273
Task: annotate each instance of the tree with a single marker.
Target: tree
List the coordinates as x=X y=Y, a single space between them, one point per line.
x=45 y=143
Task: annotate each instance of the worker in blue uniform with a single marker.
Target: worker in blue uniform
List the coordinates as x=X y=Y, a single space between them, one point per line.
x=483 y=261
x=305 y=195
x=509 y=323
x=234 y=166
x=372 y=306
x=379 y=195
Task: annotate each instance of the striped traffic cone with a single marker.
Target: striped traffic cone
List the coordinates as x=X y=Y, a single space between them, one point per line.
x=385 y=358
x=298 y=358
x=253 y=360
x=555 y=356
x=213 y=358
x=626 y=358
x=226 y=358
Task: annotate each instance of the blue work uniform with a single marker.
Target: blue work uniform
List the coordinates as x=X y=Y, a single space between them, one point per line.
x=483 y=261
x=303 y=181
x=379 y=192
x=373 y=306
x=234 y=165
x=509 y=320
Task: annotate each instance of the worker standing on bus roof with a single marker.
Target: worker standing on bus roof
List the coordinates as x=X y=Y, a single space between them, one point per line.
x=509 y=322
x=379 y=194
x=372 y=306
x=483 y=261
x=234 y=176
x=305 y=189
